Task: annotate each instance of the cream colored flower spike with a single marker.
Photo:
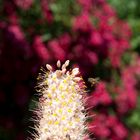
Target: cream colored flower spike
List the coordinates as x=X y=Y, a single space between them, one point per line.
x=62 y=106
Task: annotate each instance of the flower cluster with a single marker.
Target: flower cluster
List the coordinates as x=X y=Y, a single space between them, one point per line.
x=87 y=32
x=62 y=106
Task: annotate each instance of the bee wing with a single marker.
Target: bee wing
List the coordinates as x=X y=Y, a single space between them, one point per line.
x=93 y=80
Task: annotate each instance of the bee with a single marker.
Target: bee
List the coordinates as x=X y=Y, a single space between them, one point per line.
x=93 y=81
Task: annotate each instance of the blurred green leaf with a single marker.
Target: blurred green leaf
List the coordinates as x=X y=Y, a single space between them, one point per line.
x=135 y=43
x=132 y=120
x=130 y=11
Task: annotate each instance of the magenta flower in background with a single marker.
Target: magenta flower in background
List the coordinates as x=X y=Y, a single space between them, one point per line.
x=24 y=4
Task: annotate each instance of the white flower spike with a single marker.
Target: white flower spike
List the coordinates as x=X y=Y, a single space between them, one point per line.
x=62 y=105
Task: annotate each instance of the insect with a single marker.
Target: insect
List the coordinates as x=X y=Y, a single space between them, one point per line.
x=93 y=81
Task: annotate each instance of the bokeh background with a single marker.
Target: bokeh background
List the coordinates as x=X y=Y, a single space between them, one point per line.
x=101 y=37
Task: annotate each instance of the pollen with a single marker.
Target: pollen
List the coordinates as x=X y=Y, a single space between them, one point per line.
x=60 y=111
x=69 y=110
x=56 y=122
x=63 y=118
x=65 y=129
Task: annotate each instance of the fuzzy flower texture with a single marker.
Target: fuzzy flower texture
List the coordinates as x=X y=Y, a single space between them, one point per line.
x=63 y=93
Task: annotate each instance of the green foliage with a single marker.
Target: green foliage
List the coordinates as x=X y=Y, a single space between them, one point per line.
x=126 y=8
x=130 y=11
x=133 y=119
x=63 y=11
